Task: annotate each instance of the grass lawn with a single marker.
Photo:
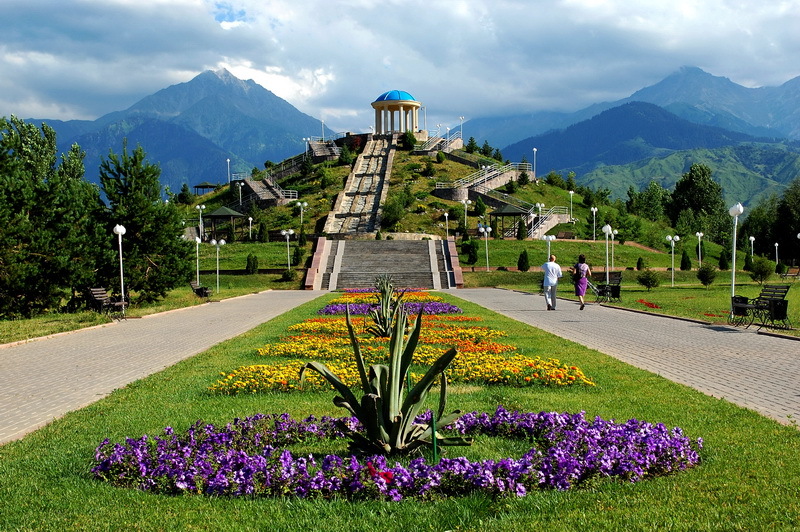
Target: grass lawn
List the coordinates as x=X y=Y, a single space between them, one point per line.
x=747 y=480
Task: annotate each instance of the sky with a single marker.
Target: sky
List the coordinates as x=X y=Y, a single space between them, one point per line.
x=81 y=59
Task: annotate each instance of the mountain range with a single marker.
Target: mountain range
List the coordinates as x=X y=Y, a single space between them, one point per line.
x=749 y=137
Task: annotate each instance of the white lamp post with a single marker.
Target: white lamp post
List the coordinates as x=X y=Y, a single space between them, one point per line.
x=466 y=203
x=197 y=257
x=613 y=240
x=218 y=245
x=239 y=185
x=287 y=233
x=323 y=130
x=753 y=239
x=594 y=223
x=571 y=192
x=229 y=170
x=699 y=236
x=119 y=230
x=302 y=205
x=608 y=231
x=250 y=228
x=548 y=239
x=734 y=211
x=462 y=127
x=776 y=254
x=672 y=240
x=539 y=206
x=200 y=209
x=306 y=140
x=534 y=166
x=485 y=230
x=446 y=225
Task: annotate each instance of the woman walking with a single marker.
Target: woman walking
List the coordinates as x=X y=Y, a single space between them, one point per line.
x=581 y=273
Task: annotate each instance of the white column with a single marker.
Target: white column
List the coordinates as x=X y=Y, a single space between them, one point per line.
x=378 y=121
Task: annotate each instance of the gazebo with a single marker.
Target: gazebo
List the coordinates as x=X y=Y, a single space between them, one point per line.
x=220 y=215
x=205 y=185
x=400 y=102
x=498 y=216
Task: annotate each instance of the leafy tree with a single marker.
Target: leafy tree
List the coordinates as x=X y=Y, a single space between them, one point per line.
x=788 y=212
x=523 y=262
x=650 y=202
x=393 y=211
x=408 y=141
x=470 y=249
x=697 y=193
x=480 y=207
x=706 y=274
x=762 y=269
x=472 y=146
x=554 y=179
x=497 y=155
x=185 y=196
x=486 y=149
x=156 y=258
x=50 y=242
x=571 y=184
x=306 y=167
x=346 y=156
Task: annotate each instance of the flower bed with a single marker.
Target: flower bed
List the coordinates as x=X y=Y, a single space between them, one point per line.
x=249 y=457
x=361 y=303
x=481 y=358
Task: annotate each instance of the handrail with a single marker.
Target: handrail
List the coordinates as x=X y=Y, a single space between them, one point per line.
x=484 y=174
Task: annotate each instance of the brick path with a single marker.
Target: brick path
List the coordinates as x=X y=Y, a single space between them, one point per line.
x=46 y=378
x=756 y=371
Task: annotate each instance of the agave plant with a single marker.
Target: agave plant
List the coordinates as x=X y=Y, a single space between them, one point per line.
x=388 y=306
x=387 y=408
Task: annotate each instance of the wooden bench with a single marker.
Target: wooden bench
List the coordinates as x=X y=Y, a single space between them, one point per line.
x=98 y=299
x=565 y=235
x=792 y=273
x=200 y=291
x=611 y=291
x=770 y=308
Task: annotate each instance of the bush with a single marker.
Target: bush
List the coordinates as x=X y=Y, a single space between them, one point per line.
x=440 y=157
x=640 y=265
x=748 y=263
x=706 y=274
x=686 y=262
x=252 y=264
x=470 y=249
x=288 y=276
x=523 y=262
x=781 y=268
x=649 y=279
x=762 y=269
x=298 y=255
x=724 y=263
x=378 y=235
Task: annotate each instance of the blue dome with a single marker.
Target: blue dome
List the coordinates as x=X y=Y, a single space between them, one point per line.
x=395 y=95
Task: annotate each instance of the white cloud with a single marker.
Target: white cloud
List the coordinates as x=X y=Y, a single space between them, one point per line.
x=331 y=59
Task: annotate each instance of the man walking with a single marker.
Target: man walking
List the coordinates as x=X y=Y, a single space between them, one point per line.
x=552 y=273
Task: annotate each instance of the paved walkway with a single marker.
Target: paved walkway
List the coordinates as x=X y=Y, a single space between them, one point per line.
x=46 y=378
x=756 y=371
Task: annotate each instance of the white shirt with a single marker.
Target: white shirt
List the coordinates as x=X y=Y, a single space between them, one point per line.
x=552 y=272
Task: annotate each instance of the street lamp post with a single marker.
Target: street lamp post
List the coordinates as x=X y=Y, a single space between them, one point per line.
x=240 y=185
x=735 y=212
x=229 y=170
x=287 y=233
x=200 y=209
x=119 y=230
x=672 y=240
x=699 y=236
x=776 y=254
x=447 y=225
x=302 y=205
x=594 y=223
x=197 y=257
x=548 y=239
x=462 y=128
x=466 y=204
x=753 y=239
x=608 y=231
x=534 y=165
x=571 y=192
x=323 y=130
x=613 y=240
x=485 y=230
x=539 y=206
x=218 y=244
x=250 y=228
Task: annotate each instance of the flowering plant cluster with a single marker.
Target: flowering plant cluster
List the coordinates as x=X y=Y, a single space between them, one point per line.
x=647 y=304
x=364 y=302
x=481 y=358
x=250 y=457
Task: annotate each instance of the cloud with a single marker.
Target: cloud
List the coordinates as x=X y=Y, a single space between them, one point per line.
x=331 y=59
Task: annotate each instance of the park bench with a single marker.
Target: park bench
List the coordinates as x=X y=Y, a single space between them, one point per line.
x=792 y=273
x=565 y=235
x=610 y=291
x=98 y=299
x=200 y=291
x=770 y=308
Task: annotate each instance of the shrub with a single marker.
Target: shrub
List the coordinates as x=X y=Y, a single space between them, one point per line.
x=252 y=264
x=724 y=263
x=686 y=262
x=781 y=268
x=762 y=269
x=440 y=157
x=470 y=249
x=378 y=235
x=748 y=263
x=288 y=276
x=298 y=255
x=640 y=265
x=523 y=262
x=649 y=279
x=522 y=230
x=706 y=274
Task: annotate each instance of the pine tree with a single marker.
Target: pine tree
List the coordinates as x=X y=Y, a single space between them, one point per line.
x=523 y=262
x=686 y=262
x=156 y=258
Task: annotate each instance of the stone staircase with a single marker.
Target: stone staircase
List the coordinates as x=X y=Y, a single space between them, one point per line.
x=356 y=263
